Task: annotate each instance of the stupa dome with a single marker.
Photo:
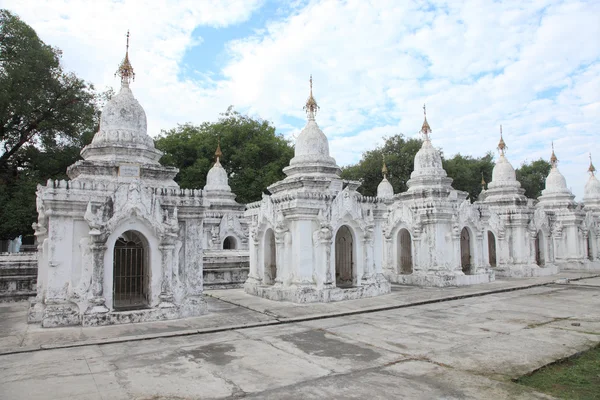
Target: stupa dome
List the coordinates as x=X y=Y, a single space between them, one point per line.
x=385 y=189
x=591 y=192
x=592 y=189
x=428 y=161
x=311 y=151
x=123 y=122
x=503 y=172
x=216 y=179
x=123 y=134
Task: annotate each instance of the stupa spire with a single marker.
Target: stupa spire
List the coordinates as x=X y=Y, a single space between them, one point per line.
x=425 y=129
x=125 y=70
x=501 y=145
x=384 y=169
x=218 y=152
x=591 y=169
x=311 y=106
x=553 y=158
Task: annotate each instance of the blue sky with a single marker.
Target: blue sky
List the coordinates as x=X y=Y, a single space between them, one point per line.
x=531 y=65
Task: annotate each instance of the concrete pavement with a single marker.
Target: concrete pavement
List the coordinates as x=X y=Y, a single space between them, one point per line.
x=467 y=348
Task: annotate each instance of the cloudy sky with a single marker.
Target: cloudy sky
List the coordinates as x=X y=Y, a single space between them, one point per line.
x=531 y=65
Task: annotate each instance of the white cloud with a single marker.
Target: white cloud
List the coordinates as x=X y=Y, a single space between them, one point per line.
x=477 y=64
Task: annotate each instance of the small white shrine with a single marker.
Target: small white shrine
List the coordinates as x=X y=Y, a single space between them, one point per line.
x=566 y=219
x=519 y=235
x=120 y=242
x=315 y=238
x=225 y=232
x=433 y=234
x=591 y=224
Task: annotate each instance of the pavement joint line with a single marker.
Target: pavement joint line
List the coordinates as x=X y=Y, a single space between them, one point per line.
x=277 y=321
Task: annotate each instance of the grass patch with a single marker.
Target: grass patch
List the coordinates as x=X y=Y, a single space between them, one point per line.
x=576 y=377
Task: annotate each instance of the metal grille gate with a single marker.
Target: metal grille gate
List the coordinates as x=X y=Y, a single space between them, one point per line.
x=492 y=248
x=465 y=251
x=130 y=279
x=344 y=257
x=406 y=264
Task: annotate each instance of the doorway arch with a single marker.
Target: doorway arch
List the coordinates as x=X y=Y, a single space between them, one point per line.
x=344 y=257
x=130 y=272
x=539 y=249
x=405 y=252
x=270 y=257
x=590 y=245
x=491 y=248
x=229 y=243
x=465 y=251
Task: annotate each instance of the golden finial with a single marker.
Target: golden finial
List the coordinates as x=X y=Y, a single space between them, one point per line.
x=218 y=152
x=384 y=169
x=425 y=129
x=591 y=169
x=482 y=181
x=311 y=106
x=501 y=145
x=125 y=70
x=553 y=159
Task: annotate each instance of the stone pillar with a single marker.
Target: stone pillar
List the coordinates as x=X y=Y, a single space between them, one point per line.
x=166 y=288
x=279 y=255
x=368 y=272
x=98 y=249
x=253 y=248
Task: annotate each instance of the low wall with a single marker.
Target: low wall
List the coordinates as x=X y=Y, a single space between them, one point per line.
x=18 y=276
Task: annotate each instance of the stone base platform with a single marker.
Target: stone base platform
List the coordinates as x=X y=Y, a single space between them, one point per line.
x=69 y=314
x=442 y=279
x=526 y=270
x=579 y=265
x=225 y=268
x=310 y=294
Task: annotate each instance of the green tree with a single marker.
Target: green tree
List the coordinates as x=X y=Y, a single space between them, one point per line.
x=467 y=171
x=39 y=102
x=253 y=154
x=533 y=177
x=398 y=153
x=46 y=117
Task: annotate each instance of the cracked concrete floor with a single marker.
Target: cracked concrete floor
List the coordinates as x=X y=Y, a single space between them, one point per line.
x=461 y=349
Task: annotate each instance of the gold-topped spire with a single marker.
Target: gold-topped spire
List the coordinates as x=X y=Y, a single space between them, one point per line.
x=311 y=106
x=553 y=159
x=125 y=70
x=591 y=169
x=425 y=129
x=501 y=145
x=384 y=169
x=218 y=152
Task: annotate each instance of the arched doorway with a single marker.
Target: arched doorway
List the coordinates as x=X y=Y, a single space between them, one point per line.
x=130 y=272
x=465 y=251
x=270 y=257
x=492 y=248
x=229 y=243
x=590 y=246
x=539 y=249
x=344 y=257
x=405 y=252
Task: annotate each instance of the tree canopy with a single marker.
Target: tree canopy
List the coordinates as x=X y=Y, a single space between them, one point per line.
x=398 y=153
x=253 y=154
x=533 y=177
x=466 y=171
x=46 y=116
